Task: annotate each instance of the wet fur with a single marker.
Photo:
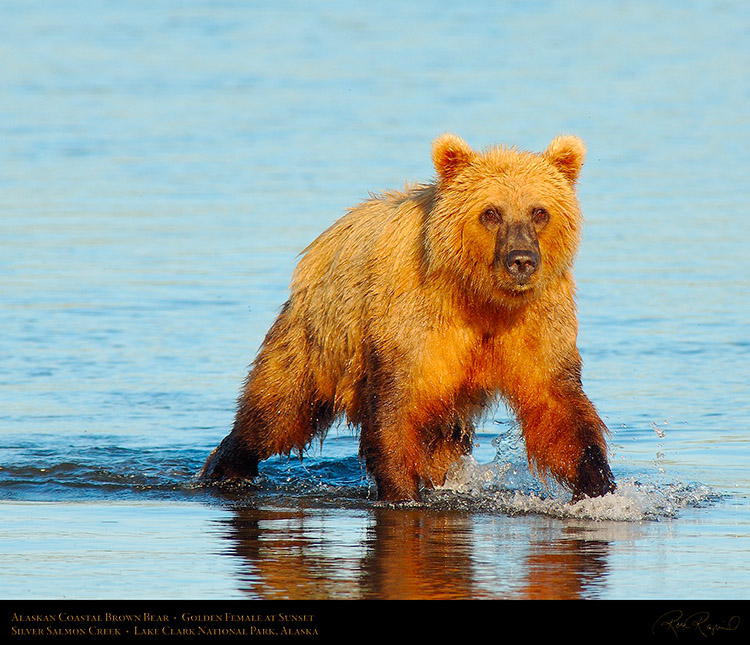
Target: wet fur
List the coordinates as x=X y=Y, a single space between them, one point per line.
x=400 y=320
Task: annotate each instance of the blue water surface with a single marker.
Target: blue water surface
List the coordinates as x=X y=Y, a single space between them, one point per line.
x=162 y=164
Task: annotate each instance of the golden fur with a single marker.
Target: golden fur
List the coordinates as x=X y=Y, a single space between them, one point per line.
x=402 y=319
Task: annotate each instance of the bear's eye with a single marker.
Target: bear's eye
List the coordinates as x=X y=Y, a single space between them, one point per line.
x=540 y=216
x=490 y=217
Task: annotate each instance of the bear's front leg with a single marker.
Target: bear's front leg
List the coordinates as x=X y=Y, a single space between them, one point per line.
x=564 y=435
x=392 y=455
x=391 y=446
x=593 y=475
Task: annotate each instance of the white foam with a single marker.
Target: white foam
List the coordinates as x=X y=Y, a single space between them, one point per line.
x=511 y=488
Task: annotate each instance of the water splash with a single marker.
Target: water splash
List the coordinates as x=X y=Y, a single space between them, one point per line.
x=511 y=488
x=101 y=469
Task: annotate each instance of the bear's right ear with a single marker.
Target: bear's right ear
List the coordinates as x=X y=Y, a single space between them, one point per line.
x=450 y=154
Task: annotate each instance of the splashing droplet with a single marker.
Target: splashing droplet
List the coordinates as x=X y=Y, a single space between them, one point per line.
x=660 y=432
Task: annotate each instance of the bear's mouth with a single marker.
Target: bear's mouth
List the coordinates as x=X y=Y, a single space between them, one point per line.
x=518 y=293
x=520 y=290
x=523 y=283
x=514 y=285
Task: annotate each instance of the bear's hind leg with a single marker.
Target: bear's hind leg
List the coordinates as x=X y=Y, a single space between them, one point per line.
x=232 y=460
x=258 y=434
x=280 y=411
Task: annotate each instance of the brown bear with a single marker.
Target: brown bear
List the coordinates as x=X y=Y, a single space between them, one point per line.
x=415 y=310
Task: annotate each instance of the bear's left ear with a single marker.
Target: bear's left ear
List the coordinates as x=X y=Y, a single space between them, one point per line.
x=450 y=154
x=567 y=154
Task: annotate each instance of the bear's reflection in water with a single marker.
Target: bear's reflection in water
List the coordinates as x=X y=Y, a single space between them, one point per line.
x=412 y=553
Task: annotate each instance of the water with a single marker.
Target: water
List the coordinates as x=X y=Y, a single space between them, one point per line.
x=164 y=162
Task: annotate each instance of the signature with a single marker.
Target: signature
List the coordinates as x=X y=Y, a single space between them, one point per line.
x=699 y=622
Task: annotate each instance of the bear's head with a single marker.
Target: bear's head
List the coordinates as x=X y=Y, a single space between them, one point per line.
x=505 y=222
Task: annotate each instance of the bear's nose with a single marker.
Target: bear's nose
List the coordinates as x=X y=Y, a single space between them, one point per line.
x=521 y=264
